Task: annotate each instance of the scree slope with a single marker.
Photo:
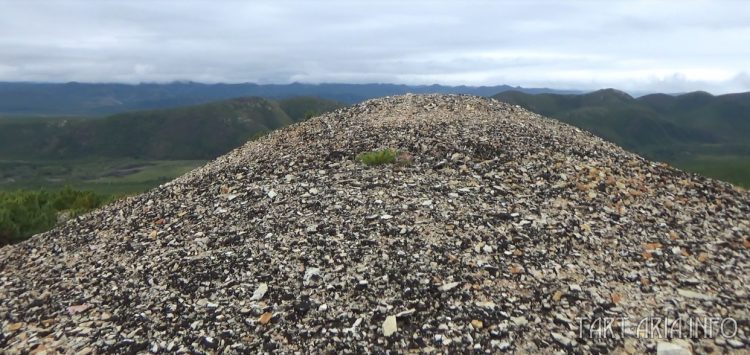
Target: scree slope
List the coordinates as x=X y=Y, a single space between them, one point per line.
x=496 y=229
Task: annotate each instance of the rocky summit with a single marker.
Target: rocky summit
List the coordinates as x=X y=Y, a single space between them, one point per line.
x=495 y=230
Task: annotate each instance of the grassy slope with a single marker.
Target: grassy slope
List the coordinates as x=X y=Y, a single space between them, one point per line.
x=105 y=176
x=697 y=131
x=732 y=168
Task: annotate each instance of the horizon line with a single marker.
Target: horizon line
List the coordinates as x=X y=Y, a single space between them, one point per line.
x=208 y=83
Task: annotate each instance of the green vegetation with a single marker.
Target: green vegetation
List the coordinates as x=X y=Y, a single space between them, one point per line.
x=696 y=132
x=735 y=169
x=24 y=213
x=188 y=133
x=105 y=176
x=32 y=194
x=200 y=132
x=378 y=157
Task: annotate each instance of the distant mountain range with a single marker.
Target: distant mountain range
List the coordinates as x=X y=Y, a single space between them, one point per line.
x=101 y=99
x=194 y=132
x=695 y=131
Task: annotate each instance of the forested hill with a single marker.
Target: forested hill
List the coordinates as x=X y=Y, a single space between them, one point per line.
x=194 y=132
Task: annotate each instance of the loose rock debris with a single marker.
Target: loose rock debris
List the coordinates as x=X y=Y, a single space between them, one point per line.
x=499 y=231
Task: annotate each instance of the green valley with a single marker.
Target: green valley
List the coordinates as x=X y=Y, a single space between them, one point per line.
x=132 y=152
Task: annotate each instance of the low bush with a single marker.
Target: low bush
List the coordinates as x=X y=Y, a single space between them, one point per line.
x=378 y=157
x=24 y=213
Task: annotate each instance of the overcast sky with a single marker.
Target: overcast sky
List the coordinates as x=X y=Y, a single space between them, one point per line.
x=668 y=46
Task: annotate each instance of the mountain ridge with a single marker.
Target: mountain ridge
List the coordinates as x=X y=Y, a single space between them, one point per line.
x=24 y=98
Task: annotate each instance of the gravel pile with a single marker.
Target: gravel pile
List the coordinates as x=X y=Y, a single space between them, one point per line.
x=496 y=230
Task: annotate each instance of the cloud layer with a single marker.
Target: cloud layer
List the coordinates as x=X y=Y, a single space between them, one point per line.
x=637 y=46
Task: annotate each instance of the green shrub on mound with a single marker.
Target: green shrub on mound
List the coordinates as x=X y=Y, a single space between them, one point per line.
x=378 y=157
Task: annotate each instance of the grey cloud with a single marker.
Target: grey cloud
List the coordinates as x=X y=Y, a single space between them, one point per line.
x=641 y=45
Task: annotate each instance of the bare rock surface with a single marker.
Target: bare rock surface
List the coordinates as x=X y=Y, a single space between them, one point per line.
x=503 y=228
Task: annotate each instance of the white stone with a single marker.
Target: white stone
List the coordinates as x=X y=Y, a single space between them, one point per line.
x=676 y=347
x=449 y=286
x=563 y=340
x=406 y=313
x=311 y=272
x=390 y=326
x=490 y=305
x=735 y=343
x=694 y=295
x=259 y=292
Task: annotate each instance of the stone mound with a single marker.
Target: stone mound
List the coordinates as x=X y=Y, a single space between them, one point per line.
x=497 y=230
